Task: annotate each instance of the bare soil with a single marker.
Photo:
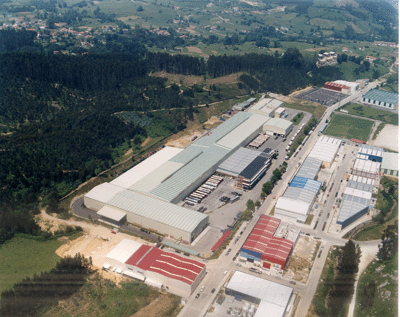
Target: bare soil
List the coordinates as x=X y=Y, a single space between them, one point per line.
x=194 y=49
x=190 y=80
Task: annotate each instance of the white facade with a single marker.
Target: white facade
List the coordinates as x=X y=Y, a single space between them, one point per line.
x=117 y=257
x=292 y=210
x=352 y=85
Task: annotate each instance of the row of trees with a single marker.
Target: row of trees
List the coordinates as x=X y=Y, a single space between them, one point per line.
x=31 y=295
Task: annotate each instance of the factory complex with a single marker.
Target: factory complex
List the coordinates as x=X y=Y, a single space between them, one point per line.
x=362 y=183
x=146 y=194
x=155 y=267
x=301 y=193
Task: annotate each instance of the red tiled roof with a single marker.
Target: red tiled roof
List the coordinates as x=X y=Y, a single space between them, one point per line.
x=261 y=240
x=168 y=264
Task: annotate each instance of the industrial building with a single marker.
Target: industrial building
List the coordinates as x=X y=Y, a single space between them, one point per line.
x=381 y=98
x=265 y=248
x=247 y=165
x=266 y=107
x=390 y=164
x=146 y=194
x=362 y=183
x=155 y=267
x=243 y=105
x=114 y=203
x=325 y=150
x=337 y=87
x=272 y=298
x=353 y=86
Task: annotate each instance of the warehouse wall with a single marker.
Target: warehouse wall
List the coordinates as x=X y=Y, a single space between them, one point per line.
x=171 y=285
x=92 y=204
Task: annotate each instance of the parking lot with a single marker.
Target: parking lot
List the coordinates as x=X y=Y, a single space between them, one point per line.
x=323 y=96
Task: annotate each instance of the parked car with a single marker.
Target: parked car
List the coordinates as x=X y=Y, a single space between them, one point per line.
x=202 y=289
x=213 y=290
x=197 y=295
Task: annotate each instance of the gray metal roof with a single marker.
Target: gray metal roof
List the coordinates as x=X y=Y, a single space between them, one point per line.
x=187 y=154
x=381 y=95
x=190 y=173
x=351 y=205
x=300 y=194
x=223 y=129
x=238 y=161
x=361 y=186
x=238 y=135
x=157 y=210
x=309 y=168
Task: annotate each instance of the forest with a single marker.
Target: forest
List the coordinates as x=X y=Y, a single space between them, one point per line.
x=57 y=112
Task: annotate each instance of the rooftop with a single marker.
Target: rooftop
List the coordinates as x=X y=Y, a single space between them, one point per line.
x=390 y=161
x=381 y=95
x=238 y=161
x=309 y=168
x=325 y=149
x=124 y=250
x=298 y=207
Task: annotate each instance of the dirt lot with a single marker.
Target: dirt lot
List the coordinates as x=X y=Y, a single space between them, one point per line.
x=190 y=80
x=194 y=49
x=301 y=261
x=184 y=138
x=388 y=138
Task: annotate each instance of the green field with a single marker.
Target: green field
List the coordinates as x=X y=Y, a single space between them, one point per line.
x=21 y=257
x=348 y=71
x=372 y=113
x=315 y=109
x=385 y=298
x=349 y=127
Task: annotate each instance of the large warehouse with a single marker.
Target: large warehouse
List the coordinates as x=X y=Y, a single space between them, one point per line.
x=272 y=298
x=145 y=211
x=325 y=150
x=247 y=165
x=381 y=98
x=155 y=267
x=263 y=247
x=360 y=186
x=266 y=107
x=390 y=164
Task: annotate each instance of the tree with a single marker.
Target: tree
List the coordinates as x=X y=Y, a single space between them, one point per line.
x=349 y=258
x=139 y=9
x=367 y=295
x=375 y=74
x=277 y=173
x=250 y=205
x=388 y=246
x=267 y=188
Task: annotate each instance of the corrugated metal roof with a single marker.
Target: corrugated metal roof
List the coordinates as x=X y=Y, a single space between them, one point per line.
x=360 y=186
x=270 y=310
x=279 y=123
x=155 y=178
x=370 y=150
x=351 y=205
x=187 y=154
x=299 y=207
x=381 y=95
x=144 y=168
x=306 y=183
x=238 y=161
x=325 y=149
x=260 y=288
x=190 y=173
x=219 y=132
x=157 y=210
x=262 y=103
x=104 y=192
x=366 y=166
x=299 y=194
x=235 y=137
x=390 y=161
x=309 y=168
x=358 y=193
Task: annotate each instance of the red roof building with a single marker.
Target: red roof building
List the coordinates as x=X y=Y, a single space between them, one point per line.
x=262 y=246
x=337 y=87
x=221 y=240
x=177 y=274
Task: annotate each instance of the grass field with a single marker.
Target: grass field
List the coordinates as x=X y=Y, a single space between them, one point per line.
x=349 y=127
x=348 y=71
x=21 y=257
x=385 y=302
x=372 y=113
x=316 y=109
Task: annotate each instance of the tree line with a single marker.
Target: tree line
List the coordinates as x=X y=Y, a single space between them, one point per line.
x=32 y=294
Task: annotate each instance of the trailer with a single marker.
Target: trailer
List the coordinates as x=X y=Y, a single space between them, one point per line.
x=196 y=196
x=205 y=189
x=200 y=191
x=208 y=187
x=212 y=184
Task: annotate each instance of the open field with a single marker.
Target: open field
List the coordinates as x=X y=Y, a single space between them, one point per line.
x=348 y=71
x=21 y=257
x=385 y=298
x=349 y=127
x=372 y=113
x=388 y=138
x=315 y=109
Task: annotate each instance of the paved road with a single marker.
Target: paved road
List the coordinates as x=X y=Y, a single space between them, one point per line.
x=216 y=268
